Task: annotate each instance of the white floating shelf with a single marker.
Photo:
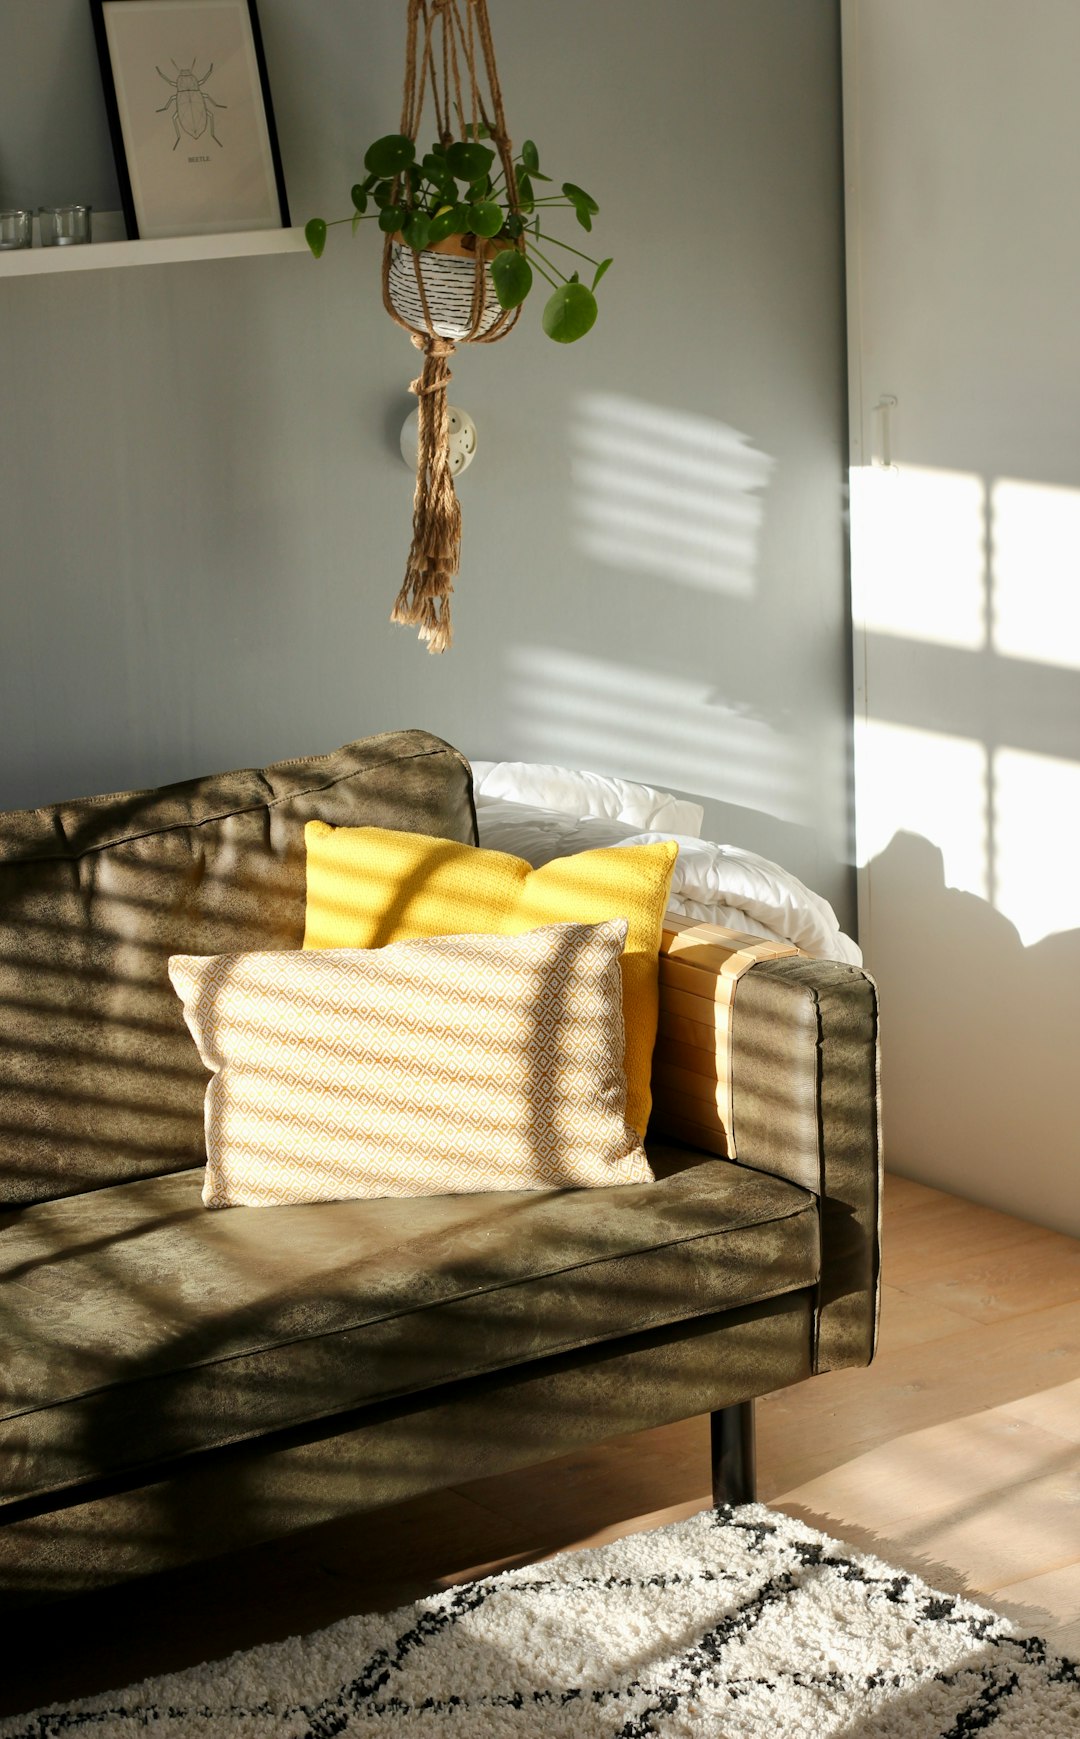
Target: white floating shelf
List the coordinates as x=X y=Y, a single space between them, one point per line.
x=107 y=249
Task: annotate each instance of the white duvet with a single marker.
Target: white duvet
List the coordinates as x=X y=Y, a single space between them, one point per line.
x=716 y=884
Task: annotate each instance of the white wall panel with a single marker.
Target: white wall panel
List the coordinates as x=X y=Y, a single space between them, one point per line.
x=962 y=146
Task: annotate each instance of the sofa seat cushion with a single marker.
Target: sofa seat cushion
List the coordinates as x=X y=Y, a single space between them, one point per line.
x=138 y=1326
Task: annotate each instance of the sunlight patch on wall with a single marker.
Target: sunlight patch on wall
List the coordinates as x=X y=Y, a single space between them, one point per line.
x=668 y=493
x=928 y=783
x=918 y=553
x=1036 y=572
x=1037 y=833
x=580 y=711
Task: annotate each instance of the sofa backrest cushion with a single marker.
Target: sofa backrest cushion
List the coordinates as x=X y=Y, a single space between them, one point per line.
x=100 y=1080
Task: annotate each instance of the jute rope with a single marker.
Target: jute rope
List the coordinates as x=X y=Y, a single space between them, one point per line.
x=464 y=41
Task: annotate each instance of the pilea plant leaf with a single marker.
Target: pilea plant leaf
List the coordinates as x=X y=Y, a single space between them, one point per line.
x=389 y=155
x=569 y=313
x=526 y=196
x=579 y=197
x=442 y=225
x=530 y=156
x=469 y=162
x=417 y=231
x=485 y=218
x=584 y=204
x=512 y=276
x=600 y=270
x=445 y=187
x=359 y=197
x=391 y=218
x=315 y=235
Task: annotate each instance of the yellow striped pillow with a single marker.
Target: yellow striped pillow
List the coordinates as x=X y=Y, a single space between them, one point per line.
x=446 y=1066
x=367 y=886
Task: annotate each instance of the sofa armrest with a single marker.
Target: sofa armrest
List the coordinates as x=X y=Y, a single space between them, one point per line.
x=770 y=1058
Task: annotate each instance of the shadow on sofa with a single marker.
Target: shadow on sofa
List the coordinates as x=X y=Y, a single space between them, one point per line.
x=182 y=1383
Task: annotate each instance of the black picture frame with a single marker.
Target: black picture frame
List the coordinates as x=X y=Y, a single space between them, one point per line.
x=156 y=199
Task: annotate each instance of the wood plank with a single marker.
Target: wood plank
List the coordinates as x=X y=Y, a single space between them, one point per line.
x=691 y=1058
x=687 y=1089
x=1056 y=1409
x=942 y=1240
x=669 y=1122
x=1041 y=1270
x=944 y=1471
x=903 y=1192
x=606 y=1482
x=687 y=1032
x=689 y=1005
x=1005 y=1536
x=1048 y=1604
x=908 y=1319
x=711 y=948
x=691 y=981
x=910 y=1388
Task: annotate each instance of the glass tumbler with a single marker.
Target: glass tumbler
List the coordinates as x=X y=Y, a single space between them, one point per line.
x=16 y=229
x=64 y=226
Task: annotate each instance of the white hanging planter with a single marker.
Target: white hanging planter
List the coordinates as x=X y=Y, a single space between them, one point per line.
x=448 y=272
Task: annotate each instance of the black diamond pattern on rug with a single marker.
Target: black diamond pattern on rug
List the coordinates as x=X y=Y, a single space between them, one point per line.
x=738 y=1621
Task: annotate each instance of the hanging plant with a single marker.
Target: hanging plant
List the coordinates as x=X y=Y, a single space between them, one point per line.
x=454 y=201
x=465 y=237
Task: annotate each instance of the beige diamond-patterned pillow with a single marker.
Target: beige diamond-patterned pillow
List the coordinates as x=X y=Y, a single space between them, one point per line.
x=449 y=1065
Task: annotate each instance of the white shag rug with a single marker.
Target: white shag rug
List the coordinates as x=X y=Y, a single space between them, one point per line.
x=736 y=1624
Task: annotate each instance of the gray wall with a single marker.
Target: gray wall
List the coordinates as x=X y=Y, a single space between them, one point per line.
x=206 y=515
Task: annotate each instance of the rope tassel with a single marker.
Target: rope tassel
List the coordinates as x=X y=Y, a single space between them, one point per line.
x=424 y=599
x=445 y=41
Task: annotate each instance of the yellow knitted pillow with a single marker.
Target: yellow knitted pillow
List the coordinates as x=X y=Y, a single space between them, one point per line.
x=368 y=886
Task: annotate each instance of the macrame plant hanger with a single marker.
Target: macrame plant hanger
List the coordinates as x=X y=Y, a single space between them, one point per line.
x=449 y=54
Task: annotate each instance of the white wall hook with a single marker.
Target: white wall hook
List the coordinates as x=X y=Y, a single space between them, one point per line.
x=884 y=409
x=462 y=440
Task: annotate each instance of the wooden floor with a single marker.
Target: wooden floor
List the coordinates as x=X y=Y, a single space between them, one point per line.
x=957 y=1455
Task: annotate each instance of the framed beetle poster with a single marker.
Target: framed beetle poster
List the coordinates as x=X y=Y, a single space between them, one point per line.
x=189 y=108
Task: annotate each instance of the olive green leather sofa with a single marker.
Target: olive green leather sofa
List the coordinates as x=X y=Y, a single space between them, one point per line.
x=176 y=1383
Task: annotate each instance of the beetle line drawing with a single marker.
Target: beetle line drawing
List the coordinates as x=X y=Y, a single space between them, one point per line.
x=192 y=107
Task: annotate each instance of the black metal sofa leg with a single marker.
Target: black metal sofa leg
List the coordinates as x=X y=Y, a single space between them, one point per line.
x=734 y=1474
